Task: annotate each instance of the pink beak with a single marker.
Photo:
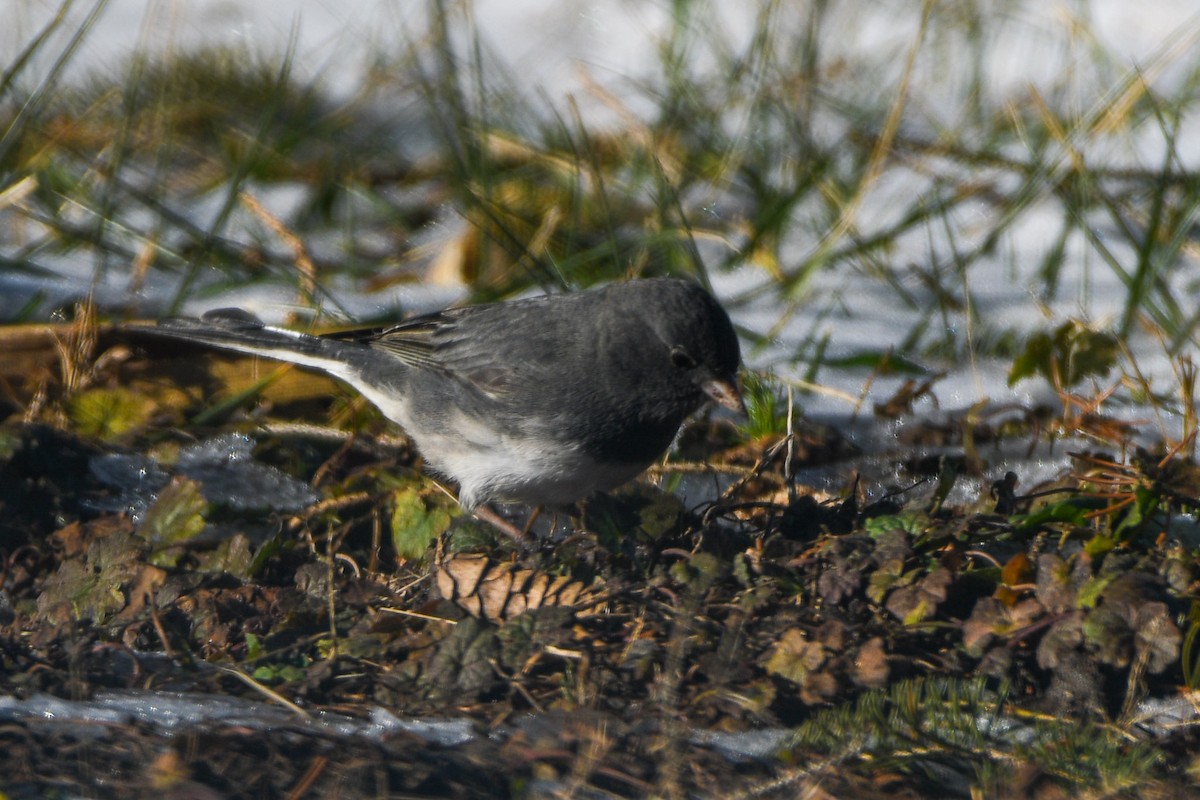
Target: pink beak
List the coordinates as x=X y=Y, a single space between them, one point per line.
x=725 y=393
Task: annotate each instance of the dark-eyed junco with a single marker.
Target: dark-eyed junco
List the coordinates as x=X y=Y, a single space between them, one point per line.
x=542 y=400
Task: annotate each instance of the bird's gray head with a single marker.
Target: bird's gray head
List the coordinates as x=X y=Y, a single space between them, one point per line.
x=696 y=337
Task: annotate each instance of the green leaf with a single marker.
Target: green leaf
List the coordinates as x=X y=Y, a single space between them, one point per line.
x=416 y=522
x=254 y=647
x=1089 y=594
x=1069 y=355
x=176 y=517
x=94 y=587
x=911 y=522
x=1143 y=508
x=107 y=413
x=698 y=573
x=885 y=362
x=463 y=664
x=232 y=557
x=1072 y=512
x=278 y=673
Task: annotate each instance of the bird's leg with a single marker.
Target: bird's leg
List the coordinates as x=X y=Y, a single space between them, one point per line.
x=486 y=513
x=533 y=517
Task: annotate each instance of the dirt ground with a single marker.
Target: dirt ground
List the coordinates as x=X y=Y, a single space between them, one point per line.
x=312 y=617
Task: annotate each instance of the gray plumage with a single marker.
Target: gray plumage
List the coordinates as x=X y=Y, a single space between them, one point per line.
x=543 y=400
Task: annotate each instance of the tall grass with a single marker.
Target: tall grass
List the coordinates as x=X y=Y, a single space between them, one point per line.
x=825 y=149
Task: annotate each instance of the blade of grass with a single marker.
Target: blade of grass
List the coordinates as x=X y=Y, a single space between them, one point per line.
x=42 y=93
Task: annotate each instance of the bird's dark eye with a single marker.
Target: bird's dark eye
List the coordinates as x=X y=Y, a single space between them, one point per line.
x=681 y=359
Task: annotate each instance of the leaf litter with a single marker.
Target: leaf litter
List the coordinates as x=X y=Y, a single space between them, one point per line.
x=176 y=611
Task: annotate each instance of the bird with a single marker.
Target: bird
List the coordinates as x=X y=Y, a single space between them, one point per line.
x=542 y=400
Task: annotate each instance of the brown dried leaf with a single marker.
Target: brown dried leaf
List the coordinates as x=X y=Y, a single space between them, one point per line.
x=1057 y=583
x=1017 y=571
x=818 y=688
x=794 y=656
x=141 y=588
x=832 y=635
x=1120 y=632
x=1061 y=642
x=871 y=668
x=892 y=548
x=916 y=603
x=1158 y=638
x=1109 y=635
x=992 y=618
x=73 y=540
x=985 y=620
x=839 y=583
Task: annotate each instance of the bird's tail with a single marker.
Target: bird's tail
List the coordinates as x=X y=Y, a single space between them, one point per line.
x=242 y=332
